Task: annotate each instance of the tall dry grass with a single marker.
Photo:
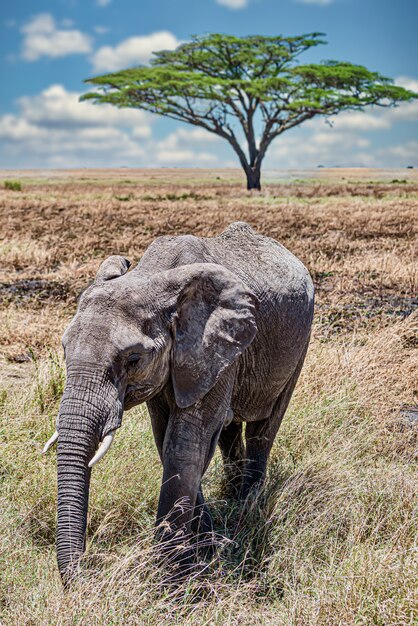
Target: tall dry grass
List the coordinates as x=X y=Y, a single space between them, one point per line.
x=333 y=537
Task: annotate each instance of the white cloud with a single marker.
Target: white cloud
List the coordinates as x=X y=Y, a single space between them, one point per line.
x=329 y=139
x=54 y=129
x=178 y=147
x=233 y=4
x=407 y=112
x=184 y=157
x=55 y=107
x=360 y=121
x=407 y=152
x=353 y=120
x=327 y=147
x=42 y=37
x=407 y=82
x=194 y=135
x=54 y=126
x=132 y=51
x=13 y=128
x=103 y=3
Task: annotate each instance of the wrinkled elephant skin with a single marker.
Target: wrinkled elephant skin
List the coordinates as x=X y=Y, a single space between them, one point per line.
x=211 y=333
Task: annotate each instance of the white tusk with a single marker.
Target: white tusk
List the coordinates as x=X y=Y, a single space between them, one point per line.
x=103 y=448
x=50 y=442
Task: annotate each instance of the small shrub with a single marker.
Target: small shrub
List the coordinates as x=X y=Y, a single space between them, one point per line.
x=127 y=198
x=13 y=185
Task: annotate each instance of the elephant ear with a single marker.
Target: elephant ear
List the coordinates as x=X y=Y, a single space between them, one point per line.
x=112 y=267
x=214 y=323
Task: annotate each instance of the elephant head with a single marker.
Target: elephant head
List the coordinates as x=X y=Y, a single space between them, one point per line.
x=130 y=335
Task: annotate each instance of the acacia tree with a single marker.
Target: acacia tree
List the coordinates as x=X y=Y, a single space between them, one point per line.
x=248 y=90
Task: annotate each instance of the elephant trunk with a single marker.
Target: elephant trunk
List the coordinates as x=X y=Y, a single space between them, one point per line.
x=73 y=494
x=88 y=412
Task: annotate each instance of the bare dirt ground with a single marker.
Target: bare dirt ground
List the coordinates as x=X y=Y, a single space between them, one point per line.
x=333 y=539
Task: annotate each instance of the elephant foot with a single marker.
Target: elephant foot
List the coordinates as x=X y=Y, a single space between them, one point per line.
x=202 y=523
x=202 y=527
x=231 y=486
x=250 y=492
x=205 y=546
x=182 y=564
x=182 y=546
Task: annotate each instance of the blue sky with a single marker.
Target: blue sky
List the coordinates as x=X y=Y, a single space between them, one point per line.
x=48 y=47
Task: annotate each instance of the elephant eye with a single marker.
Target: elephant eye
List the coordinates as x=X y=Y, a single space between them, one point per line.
x=133 y=360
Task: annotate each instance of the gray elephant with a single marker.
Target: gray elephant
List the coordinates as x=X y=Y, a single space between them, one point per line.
x=210 y=333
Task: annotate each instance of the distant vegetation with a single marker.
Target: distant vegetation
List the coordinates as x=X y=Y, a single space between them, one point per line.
x=12 y=185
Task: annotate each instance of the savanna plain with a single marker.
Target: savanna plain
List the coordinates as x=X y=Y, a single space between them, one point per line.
x=332 y=538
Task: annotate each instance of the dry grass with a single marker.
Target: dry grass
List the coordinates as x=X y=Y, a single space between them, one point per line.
x=332 y=540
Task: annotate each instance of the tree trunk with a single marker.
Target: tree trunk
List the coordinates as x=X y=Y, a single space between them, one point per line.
x=253 y=178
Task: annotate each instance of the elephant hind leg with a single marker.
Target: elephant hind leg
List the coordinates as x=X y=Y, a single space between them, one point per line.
x=233 y=454
x=260 y=437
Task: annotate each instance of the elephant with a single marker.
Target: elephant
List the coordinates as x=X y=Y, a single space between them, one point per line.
x=210 y=332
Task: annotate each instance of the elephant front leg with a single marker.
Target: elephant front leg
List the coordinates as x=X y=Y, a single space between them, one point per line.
x=189 y=443
x=184 y=457
x=202 y=527
x=202 y=523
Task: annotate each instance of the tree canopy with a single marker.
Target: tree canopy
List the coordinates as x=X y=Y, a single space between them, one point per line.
x=253 y=86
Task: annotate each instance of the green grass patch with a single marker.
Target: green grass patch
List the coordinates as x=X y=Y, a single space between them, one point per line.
x=12 y=185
